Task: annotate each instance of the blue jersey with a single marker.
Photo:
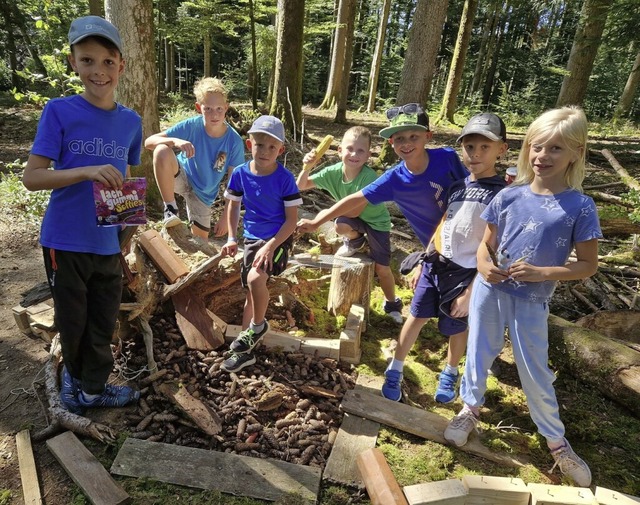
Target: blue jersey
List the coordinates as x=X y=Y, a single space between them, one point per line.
x=74 y=133
x=422 y=198
x=265 y=198
x=213 y=156
x=542 y=230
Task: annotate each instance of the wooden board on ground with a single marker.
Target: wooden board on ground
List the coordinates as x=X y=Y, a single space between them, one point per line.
x=272 y=339
x=544 y=494
x=606 y=496
x=86 y=471
x=350 y=336
x=415 y=421
x=200 y=413
x=196 y=324
x=265 y=479
x=28 y=472
x=495 y=490
x=442 y=492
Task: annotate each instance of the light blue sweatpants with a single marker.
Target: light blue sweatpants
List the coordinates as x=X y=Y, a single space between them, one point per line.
x=491 y=310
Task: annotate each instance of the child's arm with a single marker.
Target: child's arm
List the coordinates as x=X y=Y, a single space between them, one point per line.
x=309 y=162
x=491 y=273
x=586 y=266
x=162 y=139
x=221 y=226
x=37 y=175
x=233 y=218
x=264 y=257
x=351 y=205
x=460 y=306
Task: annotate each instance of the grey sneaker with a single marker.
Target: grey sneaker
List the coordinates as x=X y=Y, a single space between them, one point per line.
x=237 y=361
x=248 y=339
x=458 y=430
x=351 y=247
x=394 y=310
x=171 y=217
x=571 y=465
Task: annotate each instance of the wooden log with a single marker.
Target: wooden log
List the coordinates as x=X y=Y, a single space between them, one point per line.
x=381 y=485
x=192 y=276
x=618 y=226
x=200 y=413
x=618 y=324
x=350 y=283
x=610 y=366
x=620 y=170
x=28 y=471
x=167 y=261
x=196 y=324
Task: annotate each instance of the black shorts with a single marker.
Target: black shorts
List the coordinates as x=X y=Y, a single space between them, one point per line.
x=280 y=257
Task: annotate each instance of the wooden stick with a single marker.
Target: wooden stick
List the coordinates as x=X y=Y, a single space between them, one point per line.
x=382 y=487
x=620 y=170
x=28 y=472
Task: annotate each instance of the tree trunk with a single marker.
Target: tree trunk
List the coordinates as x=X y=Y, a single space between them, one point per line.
x=207 y=54
x=586 y=42
x=343 y=88
x=134 y=19
x=287 y=84
x=350 y=283
x=610 y=366
x=626 y=99
x=449 y=100
x=254 y=58
x=487 y=32
x=422 y=49
x=338 y=55
x=96 y=8
x=491 y=72
x=377 y=57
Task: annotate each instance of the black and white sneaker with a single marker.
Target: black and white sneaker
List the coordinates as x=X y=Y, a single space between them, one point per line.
x=171 y=217
x=237 y=361
x=248 y=339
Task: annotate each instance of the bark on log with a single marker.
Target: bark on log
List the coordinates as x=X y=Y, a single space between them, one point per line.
x=350 y=283
x=616 y=226
x=618 y=324
x=610 y=366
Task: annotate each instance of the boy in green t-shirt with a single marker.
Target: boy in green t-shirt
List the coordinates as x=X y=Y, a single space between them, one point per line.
x=372 y=224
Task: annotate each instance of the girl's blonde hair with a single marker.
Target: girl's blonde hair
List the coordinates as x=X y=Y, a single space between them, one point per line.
x=209 y=85
x=570 y=124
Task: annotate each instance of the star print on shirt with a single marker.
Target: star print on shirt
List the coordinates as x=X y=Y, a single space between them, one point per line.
x=516 y=284
x=561 y=242
x=586 y=211
x=530 y=225
x=550 y=204
x=569 y=221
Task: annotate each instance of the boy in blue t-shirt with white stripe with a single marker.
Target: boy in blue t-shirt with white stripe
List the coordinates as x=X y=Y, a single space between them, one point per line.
x=271 y=199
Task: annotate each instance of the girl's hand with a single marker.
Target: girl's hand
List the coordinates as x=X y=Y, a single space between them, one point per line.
x=460 y=306
x=523 y=271
x=264 y=257
x=491 y=273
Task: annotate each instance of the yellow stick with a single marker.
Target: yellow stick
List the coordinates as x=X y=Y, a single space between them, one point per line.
x=320 y=150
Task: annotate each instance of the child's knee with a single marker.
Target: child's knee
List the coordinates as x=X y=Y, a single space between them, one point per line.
x=383 y=270
x=345 y=229
x=257 y=278
x=163 y=154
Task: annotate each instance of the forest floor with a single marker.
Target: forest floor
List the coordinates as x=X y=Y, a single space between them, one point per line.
x=607 y=435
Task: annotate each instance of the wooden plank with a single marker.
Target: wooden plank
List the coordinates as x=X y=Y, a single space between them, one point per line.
x=415 y=421
x=163 y=257
x=21 y=318
x=350 y=336
x=381 y=484
x=355 y=435
x=483 y=489
x=200 y=413
x=86 y=471
x=265 y=479
x=273 y=338
x=192 y=276
x=194 y=321
x=44 y=319
x=442 y=492
x=544 y=494
x=606 y=496
x=321 y=347
x=28 y=472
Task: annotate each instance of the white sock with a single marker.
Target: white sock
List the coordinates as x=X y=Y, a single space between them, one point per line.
x=171 y=204
x=451 y=369
x=257 y=328
x=396 y=365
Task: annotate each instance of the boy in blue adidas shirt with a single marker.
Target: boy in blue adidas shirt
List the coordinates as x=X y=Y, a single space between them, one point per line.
x=87 y=137
x=207 y=148
x=271 y=199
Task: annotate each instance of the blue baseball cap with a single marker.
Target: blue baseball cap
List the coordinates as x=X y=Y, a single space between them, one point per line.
x=270 y=125
x=94 y=26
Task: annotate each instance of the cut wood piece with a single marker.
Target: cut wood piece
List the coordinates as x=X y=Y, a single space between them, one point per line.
x=218 y=324
x=192 y=276
x=382 y=487
x=618 y=324
x=163 y=257
x=265 y=479
x=200 y=413
x=194 y=321
x=321 y=347
x=442 y=492
x=606 y=496
x=86 y=471
x=355 y=435
x=610 y=366
x=273 y=338
x=21 y=318
x=28 y=472
x=417 y=422
x=482 y=489
x=350 y=336
x=544 y=494
x=43 y=319
x=350 y=283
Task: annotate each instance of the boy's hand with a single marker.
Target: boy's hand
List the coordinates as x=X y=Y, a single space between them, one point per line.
x=460 y=306
x=306 y=226
x=185 y=146
x=310 y=159
x=230 y=248
x=416 y=276
x=264 y=257
x=108 y=175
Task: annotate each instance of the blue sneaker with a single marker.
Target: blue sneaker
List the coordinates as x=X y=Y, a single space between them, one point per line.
x=69 y=391
x=446 y=392
x=112 y=396
x=391 y=389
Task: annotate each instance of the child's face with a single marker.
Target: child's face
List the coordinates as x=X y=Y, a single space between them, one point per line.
x=265 y=150
x=213 y=109
x=408 y=144
x=99 y=70
x=479 y=154
x=550 y=160
x=354 y=151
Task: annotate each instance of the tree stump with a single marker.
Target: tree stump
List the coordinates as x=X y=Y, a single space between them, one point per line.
x=350 y=283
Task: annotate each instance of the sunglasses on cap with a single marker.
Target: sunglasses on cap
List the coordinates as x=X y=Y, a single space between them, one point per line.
x=409 y=108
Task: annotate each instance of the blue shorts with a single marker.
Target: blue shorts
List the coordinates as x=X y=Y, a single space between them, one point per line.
x=379 y=241
x=440 y=283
